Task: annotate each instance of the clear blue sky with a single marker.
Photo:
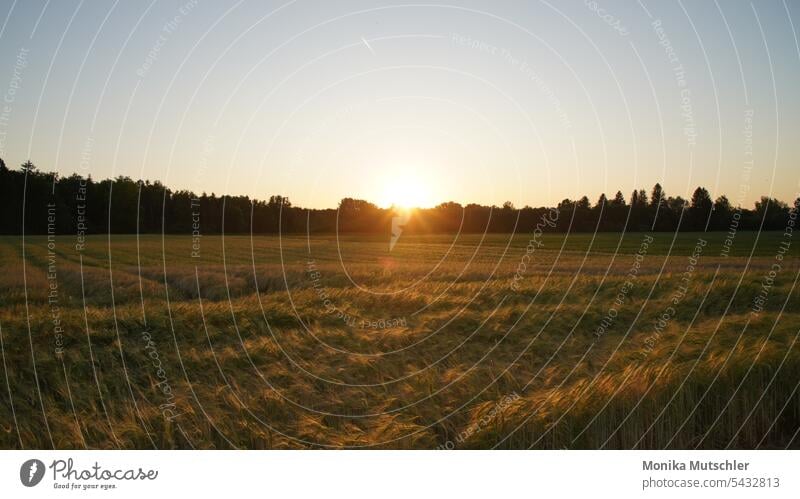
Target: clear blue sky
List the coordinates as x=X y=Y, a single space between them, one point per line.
x=472 y=101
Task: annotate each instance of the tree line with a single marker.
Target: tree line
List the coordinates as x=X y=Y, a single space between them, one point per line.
x=46 y=203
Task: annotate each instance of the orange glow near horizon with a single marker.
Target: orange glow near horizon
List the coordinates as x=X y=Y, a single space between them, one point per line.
x=406 y=189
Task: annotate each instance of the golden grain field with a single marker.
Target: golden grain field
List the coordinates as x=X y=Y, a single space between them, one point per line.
x=454 y=343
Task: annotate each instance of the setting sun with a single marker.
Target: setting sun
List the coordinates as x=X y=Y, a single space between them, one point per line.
x=406 y=189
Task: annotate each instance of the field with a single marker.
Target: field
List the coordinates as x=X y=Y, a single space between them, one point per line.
x=579 y=341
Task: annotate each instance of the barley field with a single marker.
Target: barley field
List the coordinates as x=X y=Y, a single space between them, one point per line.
x=472 y=342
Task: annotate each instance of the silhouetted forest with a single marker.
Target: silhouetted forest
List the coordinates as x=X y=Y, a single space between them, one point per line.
x=48 y=203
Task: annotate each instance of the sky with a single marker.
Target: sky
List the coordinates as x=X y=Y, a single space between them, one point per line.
x=470 y=101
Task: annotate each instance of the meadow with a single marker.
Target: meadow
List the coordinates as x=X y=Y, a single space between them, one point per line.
x=478 y=341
